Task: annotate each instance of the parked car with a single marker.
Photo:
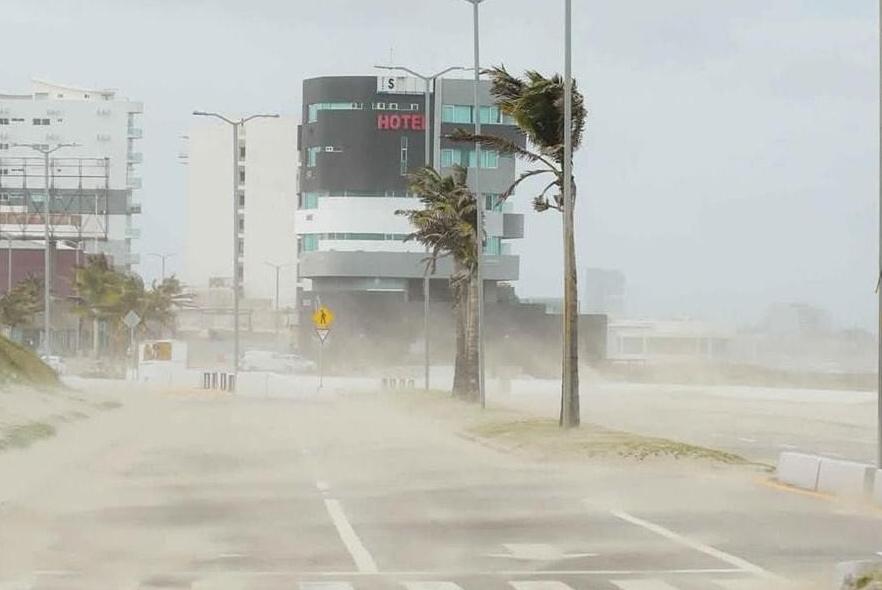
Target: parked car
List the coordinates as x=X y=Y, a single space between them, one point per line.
x=265 y=360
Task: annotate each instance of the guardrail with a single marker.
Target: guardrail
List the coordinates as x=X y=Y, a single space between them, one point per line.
x=846 y=479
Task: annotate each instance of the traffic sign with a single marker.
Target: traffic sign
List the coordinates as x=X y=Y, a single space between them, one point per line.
x=323 y=318
x=131 y=320
x=322 y=333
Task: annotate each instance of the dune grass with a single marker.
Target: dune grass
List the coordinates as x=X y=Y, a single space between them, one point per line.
x=22 y=366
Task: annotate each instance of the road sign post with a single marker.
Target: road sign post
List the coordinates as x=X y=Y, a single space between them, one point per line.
x=322 y=319
x=131 y=320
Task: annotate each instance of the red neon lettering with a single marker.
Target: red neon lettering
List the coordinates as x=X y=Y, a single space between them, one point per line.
x=394 y=122
x=419 y=123
x=382 y=121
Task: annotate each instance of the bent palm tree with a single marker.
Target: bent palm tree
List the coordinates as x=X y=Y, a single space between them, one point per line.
x=446 y=226
x=536 y=104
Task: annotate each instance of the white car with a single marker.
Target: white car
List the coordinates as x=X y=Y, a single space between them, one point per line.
x=264 y=360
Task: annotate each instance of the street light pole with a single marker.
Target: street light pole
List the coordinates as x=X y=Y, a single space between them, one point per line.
x=878 y=286
x=236 y=125
x=47 y=277
x=479 y=242
x=429 y=80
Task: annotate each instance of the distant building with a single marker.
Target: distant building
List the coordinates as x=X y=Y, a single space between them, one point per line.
x=265 y=205
x=603 y=291
x=92 y=184
x=665 y=340
x=796 y=318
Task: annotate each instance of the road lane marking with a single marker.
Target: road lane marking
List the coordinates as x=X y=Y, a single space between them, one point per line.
x=742 y=564
x=325 y=586
x=540 y=585
x=537 y=552
x=735 y=584
x=747 y=440
x=431 y=585
x=363 y=560
x=465 y=573
x=642 y=585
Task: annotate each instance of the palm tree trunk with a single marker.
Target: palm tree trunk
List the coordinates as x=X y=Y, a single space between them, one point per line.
x=569 y=402
x=471 y=363
x=461 y=303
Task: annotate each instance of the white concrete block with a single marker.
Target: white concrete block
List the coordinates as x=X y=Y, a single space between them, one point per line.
x=845 y=478
x=798 y=469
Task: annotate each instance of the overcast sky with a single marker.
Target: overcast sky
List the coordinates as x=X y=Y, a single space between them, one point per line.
x=731 y=158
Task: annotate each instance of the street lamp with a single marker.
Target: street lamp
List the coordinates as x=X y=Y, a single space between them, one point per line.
x=429 y=80
x=479 y=242
x=278 y=268
x=236 y=125
x=163 y=258
x=47 y=279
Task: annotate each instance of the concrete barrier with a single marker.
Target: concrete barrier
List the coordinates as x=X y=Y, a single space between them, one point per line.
x=799 y=470
x=845 y=478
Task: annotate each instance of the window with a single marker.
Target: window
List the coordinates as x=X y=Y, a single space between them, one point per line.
x=309 y=200
x=491 y=115
x=241 y=174
x=403 y=155
x=414 y=106
x=4 y=146
x=311 y=156
x=4 y=121
x=492 y=202
x=454 y=113
x=241 y=224
x=310 y=242
x=313 y=109
x=379 y=106
x=392 y=106
x=4 y=198
x=241 y=152
x=241 y=246
x=493 y=246
x=489 y=159
x=4 y=171
x=451 y=158
x=241 y=199
x=41 y=121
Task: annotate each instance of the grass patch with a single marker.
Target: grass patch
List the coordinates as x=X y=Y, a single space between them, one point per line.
x=20 y=365
x=866 y=581
x=544 y=435
x=23 y=435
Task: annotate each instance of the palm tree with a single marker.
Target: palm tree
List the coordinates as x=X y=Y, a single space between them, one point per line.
x=446 y=226
x=536 y=104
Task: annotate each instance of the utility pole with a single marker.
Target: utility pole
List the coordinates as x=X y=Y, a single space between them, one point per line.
x=47 y=272
x=476 y=179
x=236 y=125
x=429 y=80
x=878 y=286
x=163 y=258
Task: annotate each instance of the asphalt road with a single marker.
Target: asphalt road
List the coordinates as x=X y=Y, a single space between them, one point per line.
x=331 y=493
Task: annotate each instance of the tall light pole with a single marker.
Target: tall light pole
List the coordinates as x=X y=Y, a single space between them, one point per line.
x=476 y=180
x=277 y=268
x=878 y=286
x=428 y=80
x=236 y=125
x=163 y=258
x=47 y=278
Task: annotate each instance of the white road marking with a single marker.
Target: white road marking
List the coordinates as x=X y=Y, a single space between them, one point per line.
x=747 y=440
x=464 y=573
x=788 y=447
x=742 y=564
x=325 y=586
x=642 y=585
x=322 y=486
x=363 y=560
x=429 y=585
x=739 y=584
x=537 y=552
x=540 y=585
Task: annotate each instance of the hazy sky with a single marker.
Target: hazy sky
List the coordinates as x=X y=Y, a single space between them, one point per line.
x=732 y=151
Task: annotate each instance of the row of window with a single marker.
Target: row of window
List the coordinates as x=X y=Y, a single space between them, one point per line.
x=311 y=200
x=468 y=158
x=458 y=113
x=310 y=242
x=36 y=121
x=313 y=109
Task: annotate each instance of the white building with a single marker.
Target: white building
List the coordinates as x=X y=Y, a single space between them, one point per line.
x=266 y=205
x=91 y=184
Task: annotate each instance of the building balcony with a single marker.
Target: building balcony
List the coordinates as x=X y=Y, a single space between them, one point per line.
x=136 y=157
x=512 y=226
x=409 y=265
x=135 y=208
x=135 y=133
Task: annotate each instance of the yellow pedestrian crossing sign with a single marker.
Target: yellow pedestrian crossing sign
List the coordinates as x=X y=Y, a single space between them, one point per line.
x=323 y=318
